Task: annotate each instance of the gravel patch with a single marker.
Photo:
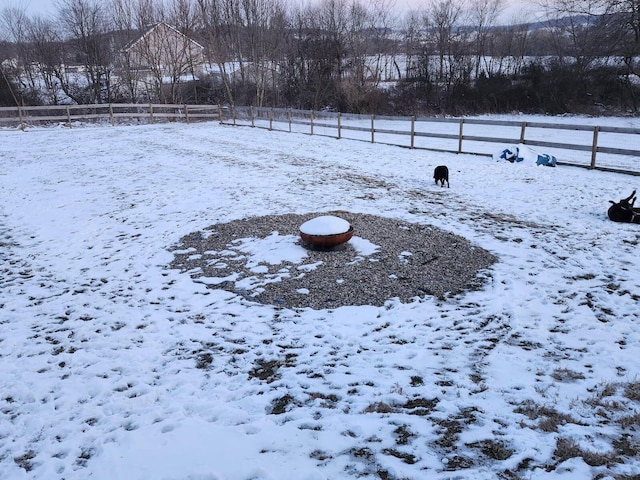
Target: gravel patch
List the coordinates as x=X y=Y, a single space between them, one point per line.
x=386 y=259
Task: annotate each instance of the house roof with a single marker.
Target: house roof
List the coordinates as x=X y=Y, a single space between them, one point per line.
x=145 y=33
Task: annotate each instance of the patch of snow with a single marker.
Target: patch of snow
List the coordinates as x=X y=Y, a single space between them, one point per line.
x=363 y=246
x=325 y=225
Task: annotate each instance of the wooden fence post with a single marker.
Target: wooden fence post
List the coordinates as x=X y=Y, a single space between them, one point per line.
x=594 y=147
x=311 y=122
x=271 y=119
x=522 y=129
x=68 y=116
x=253 y=121
x=111 y=114
x=21 y=118
x=186 y=113
x=151 y=113
x=413 y=130
x=339 y=125
x=220 y=114
x=233 y=114
x=289 y=117
x=372 y=130
x=460 y=136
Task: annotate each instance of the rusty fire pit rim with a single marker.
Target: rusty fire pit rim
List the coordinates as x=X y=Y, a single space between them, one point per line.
x=329 y=240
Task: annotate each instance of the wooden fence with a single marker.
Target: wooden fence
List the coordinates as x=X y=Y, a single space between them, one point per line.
x=605 y=148
x=112 y=112
x=595 y=147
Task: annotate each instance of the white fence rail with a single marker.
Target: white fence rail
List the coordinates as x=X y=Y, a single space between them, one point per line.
x=614 y=149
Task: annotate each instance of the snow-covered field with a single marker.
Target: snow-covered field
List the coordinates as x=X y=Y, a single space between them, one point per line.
x=113 y=366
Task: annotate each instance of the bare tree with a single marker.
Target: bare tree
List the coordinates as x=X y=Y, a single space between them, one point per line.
x=219 y=36
x=15 y=23
x=87 y=24
x=183 y=14
x=483 y=15
x=442 y=19
x=412 y=45
x=629 y=47
x=250 y=37
x=48 y=53
x=332 y=23
x=264 y=23
x=369 y=55
x=510 y=48
x=590 y=33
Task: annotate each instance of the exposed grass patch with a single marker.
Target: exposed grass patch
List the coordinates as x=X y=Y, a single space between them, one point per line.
x=320 y=455
x=328 y=400
x=450 y=428
x=458 y=462
x=416 y=406
x=416 y=381
x=626 y=447
x=421 y=406
x=628 y=421
x=85 y=456
x=493 y=449
x=548 y=418
x=632 y=391
x=280 y=404
x=266 y=370
x=566 y=375
x=25 y=460
x=379 y=407
x=611 y=403
x=567 y=448
x=331 y=397
x=403 y=435
x=204 y=360
x=405 y=457
x=363 y=452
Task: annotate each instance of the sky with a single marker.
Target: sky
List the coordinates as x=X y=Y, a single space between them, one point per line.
x=115 y=365
x=33 y=7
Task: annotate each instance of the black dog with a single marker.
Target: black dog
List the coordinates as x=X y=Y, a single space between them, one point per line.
x=623 y=211
x=441 y=174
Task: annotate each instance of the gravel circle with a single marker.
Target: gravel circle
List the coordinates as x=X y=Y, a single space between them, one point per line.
x=386 y=259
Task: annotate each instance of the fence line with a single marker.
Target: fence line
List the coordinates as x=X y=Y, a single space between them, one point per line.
x=451 y=135
x=150 y=112
x=461 y=140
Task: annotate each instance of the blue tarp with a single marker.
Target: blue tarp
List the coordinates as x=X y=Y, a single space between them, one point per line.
x=546 y=160
x=511 y=155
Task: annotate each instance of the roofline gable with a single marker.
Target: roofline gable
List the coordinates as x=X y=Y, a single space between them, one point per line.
x=153 y=27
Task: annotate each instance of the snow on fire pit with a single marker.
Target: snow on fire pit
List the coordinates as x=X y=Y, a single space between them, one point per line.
x=326 y=231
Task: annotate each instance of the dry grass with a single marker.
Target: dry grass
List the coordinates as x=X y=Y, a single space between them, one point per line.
x=566 y=375
x=548 y=418
x=567 y=448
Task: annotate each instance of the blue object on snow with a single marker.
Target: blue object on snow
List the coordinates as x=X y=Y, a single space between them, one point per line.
x=546 y=160
x=511 y=155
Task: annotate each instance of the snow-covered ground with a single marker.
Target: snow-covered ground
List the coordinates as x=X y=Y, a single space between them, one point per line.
x=114 y=366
